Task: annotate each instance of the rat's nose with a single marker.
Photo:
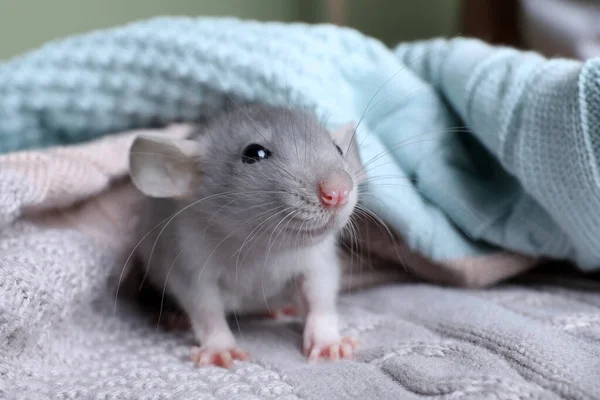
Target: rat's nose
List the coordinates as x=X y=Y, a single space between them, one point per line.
x=334 y=190
x=334 y=197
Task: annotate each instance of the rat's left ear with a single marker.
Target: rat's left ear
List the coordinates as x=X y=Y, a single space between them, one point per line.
x=165 y=167
x=345 y=137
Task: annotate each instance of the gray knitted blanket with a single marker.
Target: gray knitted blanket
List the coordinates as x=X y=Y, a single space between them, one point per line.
x=418 y=341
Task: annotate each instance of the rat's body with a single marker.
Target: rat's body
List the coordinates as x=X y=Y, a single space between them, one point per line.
x=253 y=280
x=250 y=209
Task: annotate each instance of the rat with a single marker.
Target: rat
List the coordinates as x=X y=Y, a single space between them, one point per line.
x=244 y=216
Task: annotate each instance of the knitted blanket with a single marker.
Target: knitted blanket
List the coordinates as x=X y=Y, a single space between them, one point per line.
x=490 y=161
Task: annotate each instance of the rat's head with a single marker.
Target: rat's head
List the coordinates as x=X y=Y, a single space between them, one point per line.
x=257 y=172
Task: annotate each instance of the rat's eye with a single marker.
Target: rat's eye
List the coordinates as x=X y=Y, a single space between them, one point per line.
x=254 y=153
x=339 y=149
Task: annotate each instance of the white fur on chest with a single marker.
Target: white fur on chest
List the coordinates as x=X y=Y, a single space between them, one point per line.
x=269 y=282
x=248 y=283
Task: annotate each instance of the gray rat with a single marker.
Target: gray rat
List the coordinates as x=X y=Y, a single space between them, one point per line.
x=243 y=215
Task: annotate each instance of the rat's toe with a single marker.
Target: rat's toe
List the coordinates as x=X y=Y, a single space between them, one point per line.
x=342 y=349
x=239 y=354
x=346 y=351
x=220 y=358
x=350 y=341
x=333 y=352
x=223 y=359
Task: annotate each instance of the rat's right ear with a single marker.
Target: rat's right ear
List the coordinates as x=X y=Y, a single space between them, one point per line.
x=345 y=137
x=165 y=167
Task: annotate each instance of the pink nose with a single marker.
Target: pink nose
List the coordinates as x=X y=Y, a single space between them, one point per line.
x=334 y=197
x=334 y=191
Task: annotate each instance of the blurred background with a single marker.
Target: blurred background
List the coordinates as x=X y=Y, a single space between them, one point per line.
x=568 y=28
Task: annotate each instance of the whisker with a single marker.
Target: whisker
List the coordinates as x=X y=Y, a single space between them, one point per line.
x=259 y=227
x=473 y=213
x=405 y=142
x=225 y=239
x=269 y=247
x=366 y=110
x=138 y=244
x=164 y=290
x=246 y=209
x=167 y=224
x=380 y=223
x=253 y=123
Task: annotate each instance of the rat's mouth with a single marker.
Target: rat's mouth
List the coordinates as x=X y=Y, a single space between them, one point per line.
x=315 y=231
x=308 y=232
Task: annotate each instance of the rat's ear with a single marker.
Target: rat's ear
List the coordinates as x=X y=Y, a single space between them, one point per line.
x=165 y=167
x=345 y=137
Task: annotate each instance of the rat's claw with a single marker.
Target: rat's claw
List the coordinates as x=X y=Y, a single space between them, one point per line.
x=314 y=354
x=346 y=350
x=350 y=341
x=240 y=354
x=334 y=352
x=343 y=349
x=224 y=359
x=221 y=358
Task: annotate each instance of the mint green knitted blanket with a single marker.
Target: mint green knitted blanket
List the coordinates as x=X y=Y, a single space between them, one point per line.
x=470 y=148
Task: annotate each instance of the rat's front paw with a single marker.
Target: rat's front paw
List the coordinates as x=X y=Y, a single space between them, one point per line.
x=322 y=340
x=202 y=356
x=340 y=349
